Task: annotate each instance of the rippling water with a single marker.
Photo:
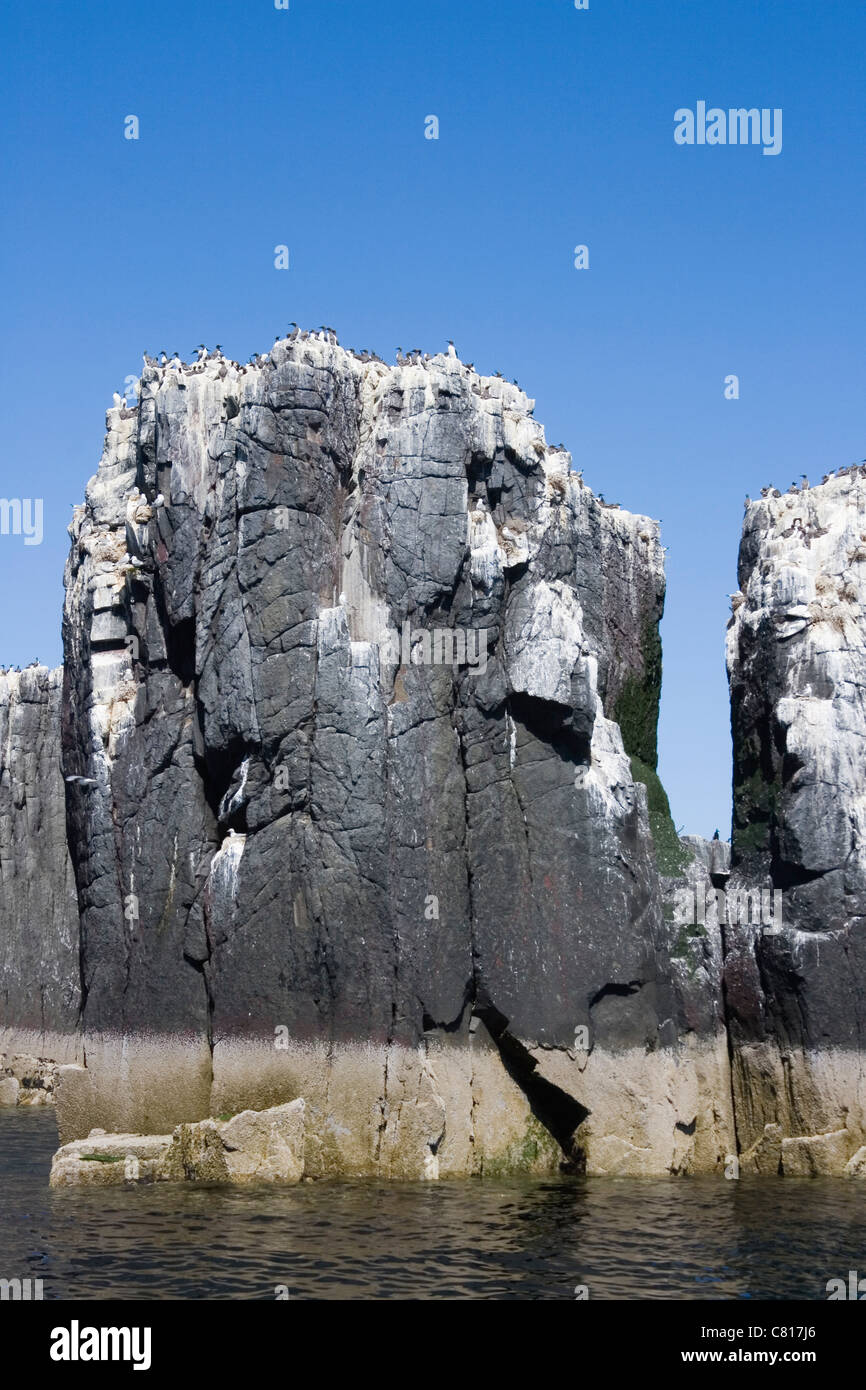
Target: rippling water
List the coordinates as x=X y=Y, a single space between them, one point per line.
x=526 y=1238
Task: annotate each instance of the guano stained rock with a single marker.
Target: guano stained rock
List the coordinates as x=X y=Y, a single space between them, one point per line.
x=359 y=700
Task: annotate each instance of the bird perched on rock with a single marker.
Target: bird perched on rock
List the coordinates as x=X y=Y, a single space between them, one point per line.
x=118 y=399
x=159 y=500
x=452 y=351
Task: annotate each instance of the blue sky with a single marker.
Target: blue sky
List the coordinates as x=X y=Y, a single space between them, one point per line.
x=306 y=127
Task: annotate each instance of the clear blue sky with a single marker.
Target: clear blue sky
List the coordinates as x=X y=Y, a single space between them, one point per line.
x=306 y=127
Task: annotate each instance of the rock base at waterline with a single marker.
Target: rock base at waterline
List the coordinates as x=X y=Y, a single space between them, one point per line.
x=254 y=1146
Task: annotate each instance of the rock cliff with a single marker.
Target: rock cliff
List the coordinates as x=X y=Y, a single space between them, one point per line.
x=360 y=675
x=796 y=982
x=358 y=732
x=39 y=960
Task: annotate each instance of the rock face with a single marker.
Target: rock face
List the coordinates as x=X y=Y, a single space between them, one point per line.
x=358 y=727
x=39 y=958
x=796 y=980
x=355 y=668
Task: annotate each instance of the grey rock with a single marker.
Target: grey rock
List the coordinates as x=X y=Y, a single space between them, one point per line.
x=299 y=818
x=39 y=956
x=796 y=982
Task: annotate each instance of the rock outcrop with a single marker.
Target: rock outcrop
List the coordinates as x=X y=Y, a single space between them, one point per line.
x=796 y=978
x=254 y=1146
x=364 y=683
x=27 y=1080
x=358 y=732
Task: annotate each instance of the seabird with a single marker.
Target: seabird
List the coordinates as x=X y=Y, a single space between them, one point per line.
x=452 y=351
x=159 y=500
x=118 y=399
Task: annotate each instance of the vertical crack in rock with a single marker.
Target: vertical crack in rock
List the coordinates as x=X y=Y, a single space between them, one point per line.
x=558 y=1111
